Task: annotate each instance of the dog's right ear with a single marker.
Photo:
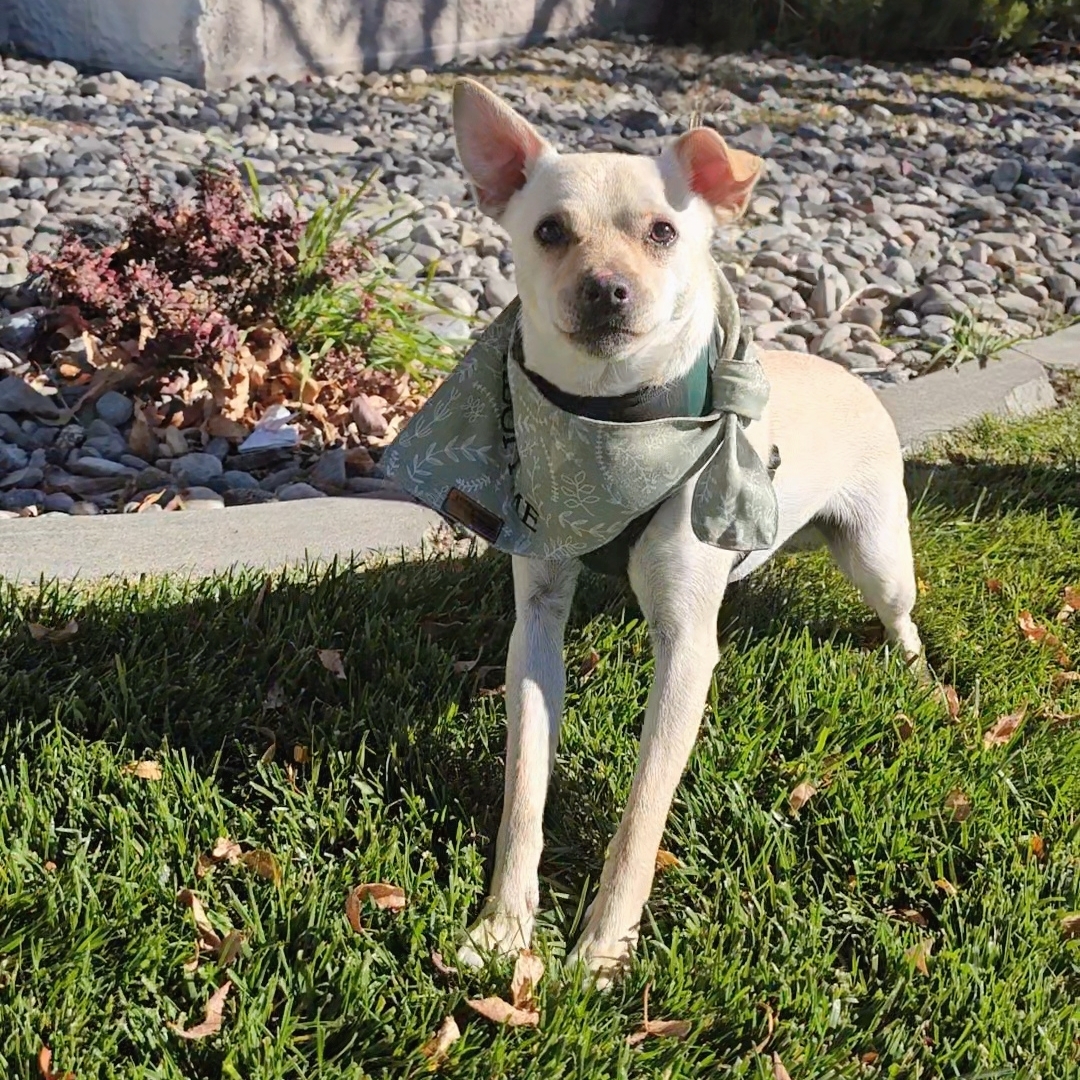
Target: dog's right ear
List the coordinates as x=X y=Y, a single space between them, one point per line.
x=496 y=146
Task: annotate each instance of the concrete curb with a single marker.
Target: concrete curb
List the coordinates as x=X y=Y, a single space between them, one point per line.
x=1015 y=383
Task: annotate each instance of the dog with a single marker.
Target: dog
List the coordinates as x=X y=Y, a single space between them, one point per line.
x=618 y=292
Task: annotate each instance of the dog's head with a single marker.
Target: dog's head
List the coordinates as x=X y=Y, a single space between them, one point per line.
x=612 y=250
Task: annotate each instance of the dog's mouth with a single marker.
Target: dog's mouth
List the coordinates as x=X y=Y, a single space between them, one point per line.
x=606 y=339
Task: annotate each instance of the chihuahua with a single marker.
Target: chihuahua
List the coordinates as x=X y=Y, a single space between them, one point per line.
x=618 y=293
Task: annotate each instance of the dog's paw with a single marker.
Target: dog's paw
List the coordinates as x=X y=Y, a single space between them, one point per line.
x=495 y=933
x=604 y=961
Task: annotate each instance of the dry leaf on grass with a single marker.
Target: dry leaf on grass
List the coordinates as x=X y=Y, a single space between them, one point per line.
x=224 y=850
x=208 y=939
x=951 y=699
x=230 y=947
x=1037 y=847
x=908 y=915
x=1039 y=635
x=1070 y=925
x=528 y=971
x=441 y=966
x=1001 y=731
x=331 y=660
x=45 y=1066
x=905 y=727
x=919 y=954
x=778 y=1070
x=54 y=635
x=438 y=1046
x=674 y=1029
x=144 y=770
x=1063 y=678
x=211 y=1022
x=993 y=585
x=589 y=665
x=264 y=863
x=869 y=1057
x=301 y=754
x=502 y=1012
x=946 y=886
x=800 y=797
x=1070 y=602
x=770 y=1027
x=958 y=804
x=380 y=893
x=665 y=861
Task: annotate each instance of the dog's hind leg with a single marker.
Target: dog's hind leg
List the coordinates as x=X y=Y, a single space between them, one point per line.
x=869 y=538
x=535 y=684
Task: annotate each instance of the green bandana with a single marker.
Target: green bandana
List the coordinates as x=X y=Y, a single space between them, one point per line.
x=497 y=450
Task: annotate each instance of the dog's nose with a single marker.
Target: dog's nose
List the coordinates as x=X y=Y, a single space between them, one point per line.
x=605 y=295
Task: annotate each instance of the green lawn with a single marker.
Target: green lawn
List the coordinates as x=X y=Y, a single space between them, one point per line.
x=394 y=774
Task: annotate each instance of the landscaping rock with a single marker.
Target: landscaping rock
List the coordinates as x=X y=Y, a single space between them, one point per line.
x=114 y=408
x=195 y=469
x=292 y=492
x=18 y=396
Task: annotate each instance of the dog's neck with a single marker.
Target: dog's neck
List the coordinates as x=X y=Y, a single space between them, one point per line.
x=666 y=355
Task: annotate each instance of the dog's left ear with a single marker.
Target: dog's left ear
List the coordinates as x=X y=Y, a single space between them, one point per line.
x=722 y=176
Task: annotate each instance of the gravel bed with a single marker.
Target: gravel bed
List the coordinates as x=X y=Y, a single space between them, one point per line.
x=907 y=217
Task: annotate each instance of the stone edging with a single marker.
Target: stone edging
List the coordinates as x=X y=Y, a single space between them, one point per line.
x=1015 y=383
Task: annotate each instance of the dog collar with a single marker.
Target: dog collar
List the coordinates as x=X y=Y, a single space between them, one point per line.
x=503 y=453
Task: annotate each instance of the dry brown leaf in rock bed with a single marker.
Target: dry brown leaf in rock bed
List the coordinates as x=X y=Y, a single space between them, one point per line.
x=331 y=660
x=45 y=1066
x=958 y=805
x=800 y=797
x=144 y=770
x=1001 y=731
x=919 y=954
x=665 y=861
x=438 y=1046
x=778 y=1070
x=674 y=1029
x=1039 y=635
x=380 y=893
x=1070 y=602
x=1070 y=925
x=54 y=635
x=211 y=1022
x=502 y=1012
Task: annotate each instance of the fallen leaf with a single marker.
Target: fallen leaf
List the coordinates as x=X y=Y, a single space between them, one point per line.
x=993 y=585
x=665 y=861
x=528 y=971
x=152 y=498
x=211 y=1022
x=675 y=1029
x=1039 y=635
x=1063 y=678
x=905 y=727
x=331 y=660
x=45 y=1065
x=441 y=966
x=438 y=1046
x=50 y=867
x=1037 y=846
x=946 y=886
x=801 y=796
x=502 y=1012
x=869 y=1057
x=919 y=954
x=952 y=700
x=923 y=587
x=1002 y=730
x=226 y=849
x=263 y=863
x=144 y=770
x=958 y=804
x=301 y=754
x=1070 y=602
x=55 y=636
x=230 y=947
x=382 y=895
x=778 y=1070
x=589 y=665
x=208 y=937
x=770 y=1027
x=1070 y=925
x=910 y=915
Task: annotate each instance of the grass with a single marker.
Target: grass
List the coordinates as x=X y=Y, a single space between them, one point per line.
x=814 y=919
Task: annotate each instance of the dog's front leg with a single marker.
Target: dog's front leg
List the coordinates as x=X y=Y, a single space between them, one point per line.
x=680 y=584
x=535 y=684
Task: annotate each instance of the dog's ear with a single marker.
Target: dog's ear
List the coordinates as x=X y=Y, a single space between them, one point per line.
x=496 y=146
x=722 y=176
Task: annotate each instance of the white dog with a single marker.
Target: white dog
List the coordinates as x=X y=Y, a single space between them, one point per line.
x=618 y=292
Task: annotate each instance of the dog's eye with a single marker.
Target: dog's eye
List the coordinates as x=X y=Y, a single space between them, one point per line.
x=662 y=233
x=550 y=232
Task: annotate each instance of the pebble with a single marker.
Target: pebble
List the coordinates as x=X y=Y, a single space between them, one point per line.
x=292 y=492
x=114 y=408
x=196 y=469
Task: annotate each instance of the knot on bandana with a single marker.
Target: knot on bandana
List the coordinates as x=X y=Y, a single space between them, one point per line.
x=491 y=451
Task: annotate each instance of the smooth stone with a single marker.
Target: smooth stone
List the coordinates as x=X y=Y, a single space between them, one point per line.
x=18 y=396
x=196 y=468
x=293 y=492
x=329 y=471
x=114 y=408
x=200 y=498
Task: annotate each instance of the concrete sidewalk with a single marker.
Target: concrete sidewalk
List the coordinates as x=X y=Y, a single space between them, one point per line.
x=1015 y=383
